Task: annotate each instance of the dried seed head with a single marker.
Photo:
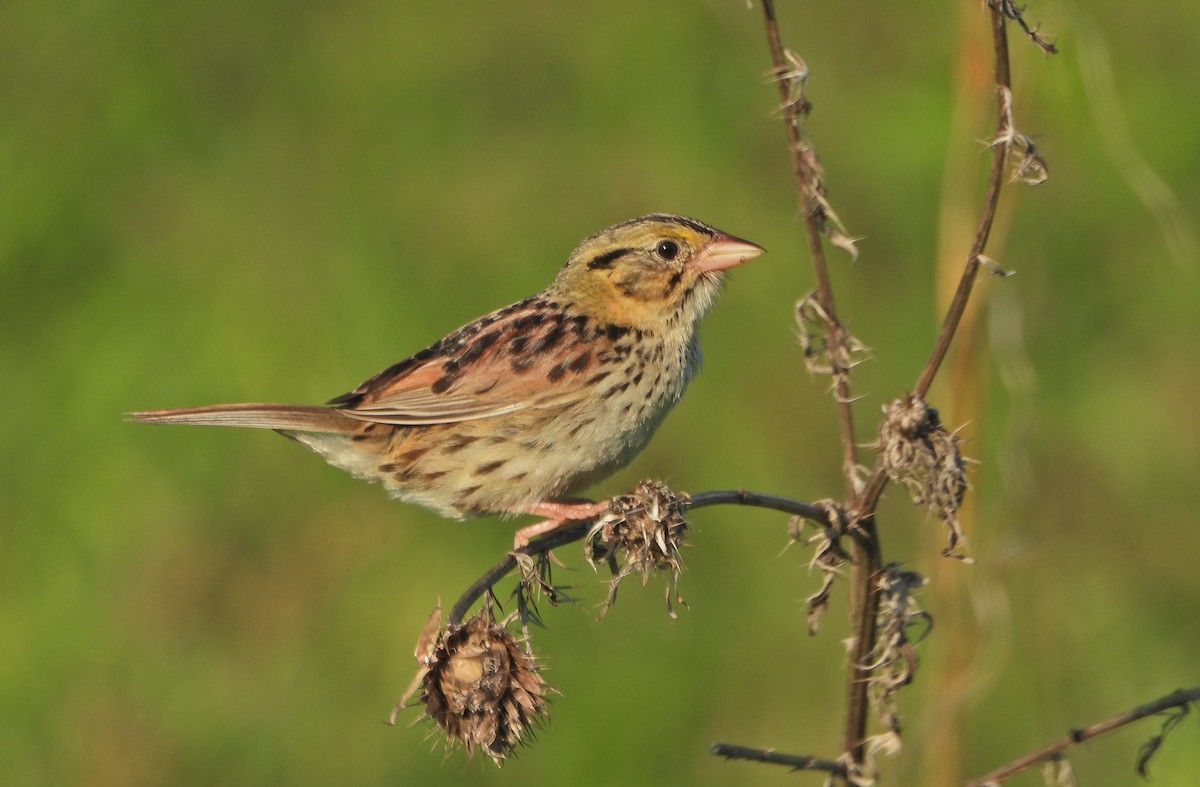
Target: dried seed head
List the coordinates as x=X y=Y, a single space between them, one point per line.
x=640 y=534
x=823 y=354
x=918 y=452
x=894 y=659
x=478 y=684
x=828 y=555
x=1029 y=165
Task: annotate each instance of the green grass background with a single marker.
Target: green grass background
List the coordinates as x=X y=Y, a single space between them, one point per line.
x=273 y=200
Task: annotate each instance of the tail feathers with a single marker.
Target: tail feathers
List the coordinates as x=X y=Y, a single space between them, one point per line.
x=254 y=416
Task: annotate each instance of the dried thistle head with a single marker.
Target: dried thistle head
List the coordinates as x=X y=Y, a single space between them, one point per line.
x=920 y=453
x=640 y=534
x=479 y=684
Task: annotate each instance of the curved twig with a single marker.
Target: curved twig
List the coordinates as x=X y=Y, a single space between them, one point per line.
x=577 y=530
x=958 y=305
x=760 y=500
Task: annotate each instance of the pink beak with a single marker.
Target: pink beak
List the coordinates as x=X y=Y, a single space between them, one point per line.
x=724 y=251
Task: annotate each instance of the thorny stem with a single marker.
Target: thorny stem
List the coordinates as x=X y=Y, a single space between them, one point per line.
x=577 y=530
x=1176 y=699
x=797 y=762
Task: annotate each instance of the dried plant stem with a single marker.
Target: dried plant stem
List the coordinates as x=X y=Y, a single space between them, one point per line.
x=797 y=762
x=1177 y=699
x=744 y=498
x=577 y=530
x=805 y=178
x=990 y=201
x=865 y=553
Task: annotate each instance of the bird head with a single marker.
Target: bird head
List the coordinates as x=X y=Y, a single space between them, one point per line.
x=657 y=272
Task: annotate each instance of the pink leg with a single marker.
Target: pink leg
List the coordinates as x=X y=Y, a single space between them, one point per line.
x=559 y=514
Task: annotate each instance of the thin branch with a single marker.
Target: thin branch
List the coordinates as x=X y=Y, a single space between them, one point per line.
x=577 y=530
x=744 y=498
x=865 y=550
x=1177 y=699
x=797 y=762
x=992 y=198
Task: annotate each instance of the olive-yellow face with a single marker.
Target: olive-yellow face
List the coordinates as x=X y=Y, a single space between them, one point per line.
x=654 y=270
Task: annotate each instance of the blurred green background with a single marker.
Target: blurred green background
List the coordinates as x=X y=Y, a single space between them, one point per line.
x=273 y=200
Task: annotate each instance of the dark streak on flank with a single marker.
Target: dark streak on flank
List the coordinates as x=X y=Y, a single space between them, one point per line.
x=489 y=467
x=413 y=454
x=575 y=429
x=616 y=389
x=458 y=443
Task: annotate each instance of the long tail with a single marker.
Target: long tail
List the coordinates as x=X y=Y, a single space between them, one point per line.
x=295 y=417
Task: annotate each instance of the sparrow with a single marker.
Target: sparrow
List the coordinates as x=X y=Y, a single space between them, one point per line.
x=526 y=405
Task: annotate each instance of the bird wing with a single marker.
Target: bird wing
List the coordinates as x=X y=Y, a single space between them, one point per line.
x=528 y=355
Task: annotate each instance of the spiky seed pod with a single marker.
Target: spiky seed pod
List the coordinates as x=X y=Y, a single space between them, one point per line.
x=641 y=534
x=478 y=683
x=920 y=453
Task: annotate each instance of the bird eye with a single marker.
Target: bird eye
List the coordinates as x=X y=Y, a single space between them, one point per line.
x=667 y=249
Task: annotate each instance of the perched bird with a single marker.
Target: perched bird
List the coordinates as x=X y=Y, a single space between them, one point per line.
x=531 y=402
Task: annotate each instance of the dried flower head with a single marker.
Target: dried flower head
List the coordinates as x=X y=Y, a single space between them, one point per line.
x=478 y=683
x=918 y=452
x=640 y=534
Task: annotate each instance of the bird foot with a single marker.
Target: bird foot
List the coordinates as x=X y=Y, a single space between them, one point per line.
x=559 y=514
